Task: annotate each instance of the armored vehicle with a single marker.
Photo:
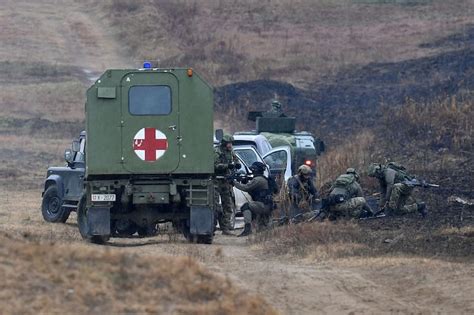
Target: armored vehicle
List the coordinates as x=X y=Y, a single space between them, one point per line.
x=149 y=155
x=280 y=130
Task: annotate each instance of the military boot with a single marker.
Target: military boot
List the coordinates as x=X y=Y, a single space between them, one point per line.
x=227 y=232
x=421 y=207
x=247 y=230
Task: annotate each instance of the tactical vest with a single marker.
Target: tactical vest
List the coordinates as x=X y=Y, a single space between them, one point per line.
x=263 y=195
x=224 y=157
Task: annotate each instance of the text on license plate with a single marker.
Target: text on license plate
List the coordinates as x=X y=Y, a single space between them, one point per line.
x=103 y=197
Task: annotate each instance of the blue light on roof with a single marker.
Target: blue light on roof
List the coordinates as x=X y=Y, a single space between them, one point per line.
x=147 y=65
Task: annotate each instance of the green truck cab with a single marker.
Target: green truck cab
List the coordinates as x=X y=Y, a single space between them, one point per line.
x=149 y=155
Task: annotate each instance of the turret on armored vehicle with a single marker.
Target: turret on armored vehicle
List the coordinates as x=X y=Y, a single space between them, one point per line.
x=149 y=155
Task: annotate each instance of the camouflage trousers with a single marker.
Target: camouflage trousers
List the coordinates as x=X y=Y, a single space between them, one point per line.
x=400 y=196
x=224 y=210
x=299 y=208
x=351 y=208
x=258 y=212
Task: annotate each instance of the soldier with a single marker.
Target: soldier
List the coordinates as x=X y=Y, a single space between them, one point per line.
x=261 y=206
x=225 y=161
x=395 y=192
x=275 y=111
x=346 y=197
x=301 y=192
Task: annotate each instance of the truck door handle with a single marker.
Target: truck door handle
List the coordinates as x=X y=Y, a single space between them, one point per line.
x=172 y=127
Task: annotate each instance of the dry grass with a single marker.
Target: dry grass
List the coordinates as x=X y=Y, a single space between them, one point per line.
x=329 y=241
x=296 y=41
x=53 y=101
x=40 y=278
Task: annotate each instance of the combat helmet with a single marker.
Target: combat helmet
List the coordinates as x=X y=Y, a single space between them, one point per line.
x=304 y=170
x=258 y=168
x=352 y=171
x=276 y=104
x=227 y=139
x=373 y=169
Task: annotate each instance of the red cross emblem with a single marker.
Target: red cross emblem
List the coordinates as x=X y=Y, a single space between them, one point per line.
x=150 y=144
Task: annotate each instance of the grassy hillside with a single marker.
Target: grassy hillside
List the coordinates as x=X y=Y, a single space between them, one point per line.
x=295 y=41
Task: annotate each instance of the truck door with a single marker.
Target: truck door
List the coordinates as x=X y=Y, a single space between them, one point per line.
x=150 y=128
x=279 y=162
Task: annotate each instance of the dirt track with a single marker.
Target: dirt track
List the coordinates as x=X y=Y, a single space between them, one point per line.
x=294 y=286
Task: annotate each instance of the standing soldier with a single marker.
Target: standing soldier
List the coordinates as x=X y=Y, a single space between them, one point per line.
x=261 y=206
x=395 y=190
x=225 y=161
x=301 y=192
x=346 y=197
x=275 y=111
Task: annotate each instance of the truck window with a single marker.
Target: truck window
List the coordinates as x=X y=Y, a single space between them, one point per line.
x=80 y=156
x=149 y=100
x=277 y=160
x=247 y=155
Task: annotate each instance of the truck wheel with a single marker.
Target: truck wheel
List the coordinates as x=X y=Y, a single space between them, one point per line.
x=84 y=227
x=51 y=206
x=205 y=239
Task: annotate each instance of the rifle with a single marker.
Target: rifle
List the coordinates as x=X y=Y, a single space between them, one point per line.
x=419 y=183
x=239 y=176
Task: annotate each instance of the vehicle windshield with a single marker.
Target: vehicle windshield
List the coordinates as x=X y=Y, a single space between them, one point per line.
x=247 y=155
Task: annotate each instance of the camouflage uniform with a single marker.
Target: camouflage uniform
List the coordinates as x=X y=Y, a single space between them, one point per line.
x=301 y=192
x=260 y=207
x=222 y=158
x=395 y=194
x=354 y=203
x=275 y=111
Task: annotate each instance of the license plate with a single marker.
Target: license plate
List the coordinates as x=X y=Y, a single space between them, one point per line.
x=103 y=197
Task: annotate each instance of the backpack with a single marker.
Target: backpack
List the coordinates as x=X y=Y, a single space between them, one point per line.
x=272 y=185
x=401 y=170
x=344 y=180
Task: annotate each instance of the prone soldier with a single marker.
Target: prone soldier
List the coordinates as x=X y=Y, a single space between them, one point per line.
x=225 y=161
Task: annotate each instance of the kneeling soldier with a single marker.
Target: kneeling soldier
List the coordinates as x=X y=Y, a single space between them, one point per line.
x=395 y=189
x=301 y=192
x=346 y=197
x=261 y=207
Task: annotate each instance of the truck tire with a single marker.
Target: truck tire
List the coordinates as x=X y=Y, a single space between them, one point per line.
x=51 y=206
x=205 y=239
x=83 y=225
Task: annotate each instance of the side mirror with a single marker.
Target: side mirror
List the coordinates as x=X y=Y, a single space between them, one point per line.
x=76 y=146
x=68 y=155
x=219 y=134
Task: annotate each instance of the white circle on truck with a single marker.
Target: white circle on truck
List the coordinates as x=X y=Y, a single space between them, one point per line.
x=150 y=144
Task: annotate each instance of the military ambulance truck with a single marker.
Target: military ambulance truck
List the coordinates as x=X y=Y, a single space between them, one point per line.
x=149 y=155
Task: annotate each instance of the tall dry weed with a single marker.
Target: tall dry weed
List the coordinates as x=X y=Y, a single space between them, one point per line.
x=355 y=152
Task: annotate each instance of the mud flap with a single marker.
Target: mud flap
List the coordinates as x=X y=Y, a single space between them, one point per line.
x=98 y=221
x=202 y=220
